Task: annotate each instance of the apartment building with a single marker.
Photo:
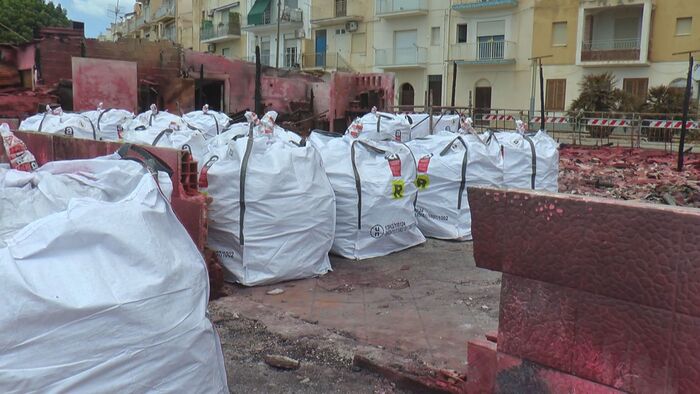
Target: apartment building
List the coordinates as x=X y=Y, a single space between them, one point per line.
x=490 y=42
x=280 y=28
x=220 y=29
x=341 y=31
x=485 y=44
x=632 y=39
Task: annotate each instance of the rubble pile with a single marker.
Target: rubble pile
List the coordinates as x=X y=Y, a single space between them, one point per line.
x=637 y=174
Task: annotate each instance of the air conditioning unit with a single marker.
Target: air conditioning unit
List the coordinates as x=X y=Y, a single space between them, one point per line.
x=299 y=33
x=211 y=48
x=352 y=26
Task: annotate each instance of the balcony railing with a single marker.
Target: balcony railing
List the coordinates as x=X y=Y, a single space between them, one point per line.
x=220 y=31
x=397 y=7
x=165 y=11
x=141 y=22
x=325 y=61
x=401 y=57
x=611 y=50
x=491 y=52
x=469 y=5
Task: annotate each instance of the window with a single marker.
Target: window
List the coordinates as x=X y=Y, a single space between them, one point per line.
x=359 y=43
x=435 y=36
x=290 y=57
x=559 y=34
x=556 y=95
x=461 y=33
x=637 y=87
x=225 y=52
x=265 y=51
x=341 y=8
x=291 y=3
x=683 y=26
x=339 y=32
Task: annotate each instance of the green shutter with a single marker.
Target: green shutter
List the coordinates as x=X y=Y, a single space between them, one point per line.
x=255 y=16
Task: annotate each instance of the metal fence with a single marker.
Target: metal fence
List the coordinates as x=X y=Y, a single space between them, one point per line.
x=647 y=130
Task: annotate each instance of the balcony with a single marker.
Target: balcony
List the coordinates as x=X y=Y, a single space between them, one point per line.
x=211 y=34
x=401 y=58
x=611 y=50
x=479 y=5
x=165 y=12
x=140 y=22
x=324 y=61
x=291 y=18
x=491 y=52
x=400 y=8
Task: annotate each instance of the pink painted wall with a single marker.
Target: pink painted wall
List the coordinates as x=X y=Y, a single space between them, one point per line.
x=111 y=82
x=345 y=87
x=25 y=57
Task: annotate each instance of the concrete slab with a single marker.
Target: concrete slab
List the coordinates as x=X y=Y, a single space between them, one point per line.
x=424 y=303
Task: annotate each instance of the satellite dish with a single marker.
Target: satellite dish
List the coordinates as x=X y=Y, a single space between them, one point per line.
x=696 y=73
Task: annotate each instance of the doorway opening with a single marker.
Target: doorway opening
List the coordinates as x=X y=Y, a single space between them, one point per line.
x=406 y=97
x=209 y=91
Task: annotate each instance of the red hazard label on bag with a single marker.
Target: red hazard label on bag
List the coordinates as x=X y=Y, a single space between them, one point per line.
x=423 y=164
x=395 y=166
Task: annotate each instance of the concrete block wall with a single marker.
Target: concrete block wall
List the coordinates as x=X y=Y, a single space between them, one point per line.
x=598 y=291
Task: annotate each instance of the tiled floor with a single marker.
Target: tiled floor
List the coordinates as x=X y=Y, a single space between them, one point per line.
x=425 y=302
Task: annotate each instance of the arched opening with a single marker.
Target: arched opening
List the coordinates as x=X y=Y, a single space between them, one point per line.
x=406 y=97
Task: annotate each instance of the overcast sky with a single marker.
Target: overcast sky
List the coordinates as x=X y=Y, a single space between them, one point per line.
x=96 y=14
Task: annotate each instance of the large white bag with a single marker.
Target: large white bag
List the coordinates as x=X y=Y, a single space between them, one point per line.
x=380 y=126
x=58 y=122
x=103 y=289
x=185 y=139
x=420 y=124
x=109 y=122
x=374 y=184
x=158 y=120
x=529 y=162
x=210 y=122
x=447 y=164
x=273 y=210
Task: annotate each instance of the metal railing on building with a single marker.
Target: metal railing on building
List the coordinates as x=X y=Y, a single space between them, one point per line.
x=489 y=51
x=400 y=6
x=410 y=56
x=229 y=29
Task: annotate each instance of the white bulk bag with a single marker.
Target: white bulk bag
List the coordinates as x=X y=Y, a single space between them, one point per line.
x=159 y=120
x=448 y=163
x=420 y=124
x=529 y=162
x=185 y=139
x=103 y=289
x=109 y=122
x=211 y=123
x=380 y=126
x=374 y=184
x=59 y=122
x=273 y=210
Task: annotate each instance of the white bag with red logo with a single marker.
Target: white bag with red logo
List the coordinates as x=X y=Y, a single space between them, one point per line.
x=19 y=157
x=273 y=210
x=374 y=184
x=382 y=126
x=447 y=164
